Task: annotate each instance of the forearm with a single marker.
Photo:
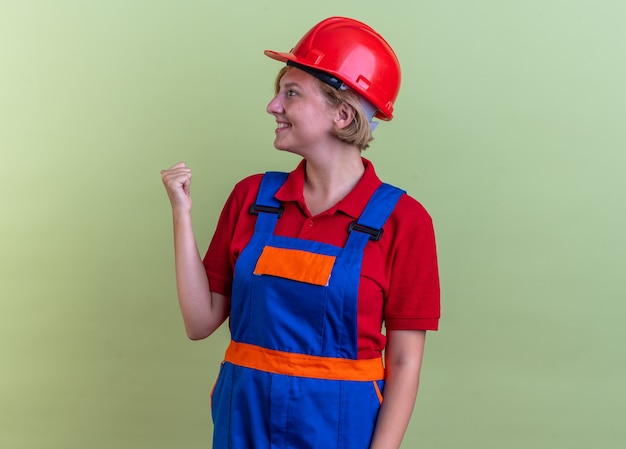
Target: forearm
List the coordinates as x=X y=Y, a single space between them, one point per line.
x=395 y=412
x=201 y=313
x=402 y=371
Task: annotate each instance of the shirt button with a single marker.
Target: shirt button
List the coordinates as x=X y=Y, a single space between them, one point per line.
x=310 y=223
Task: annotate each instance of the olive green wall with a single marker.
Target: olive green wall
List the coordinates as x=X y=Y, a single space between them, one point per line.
x=509 y=128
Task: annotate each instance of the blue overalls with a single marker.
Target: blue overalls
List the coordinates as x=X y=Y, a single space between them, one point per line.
x=291 y=378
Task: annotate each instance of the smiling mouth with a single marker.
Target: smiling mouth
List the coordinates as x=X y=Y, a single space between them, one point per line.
x=282 y=126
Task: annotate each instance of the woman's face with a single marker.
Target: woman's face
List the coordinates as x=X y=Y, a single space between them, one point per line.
x=303 y=115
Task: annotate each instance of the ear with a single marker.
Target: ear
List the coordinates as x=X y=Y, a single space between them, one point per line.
x=344 y=116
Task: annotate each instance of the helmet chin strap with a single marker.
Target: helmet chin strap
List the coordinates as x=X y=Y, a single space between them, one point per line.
x=370 y=110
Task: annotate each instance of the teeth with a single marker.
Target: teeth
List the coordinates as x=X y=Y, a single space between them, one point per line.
x=283 y=125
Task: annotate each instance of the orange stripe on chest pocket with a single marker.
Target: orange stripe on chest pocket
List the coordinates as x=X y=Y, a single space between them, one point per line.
x=296 y=265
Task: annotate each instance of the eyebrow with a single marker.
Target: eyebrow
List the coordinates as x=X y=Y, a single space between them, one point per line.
x=291 y=84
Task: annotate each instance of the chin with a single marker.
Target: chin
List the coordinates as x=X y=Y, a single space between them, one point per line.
x=287 y=148
x=280 y=147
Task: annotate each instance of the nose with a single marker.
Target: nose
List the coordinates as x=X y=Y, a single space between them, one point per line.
x=275 y=106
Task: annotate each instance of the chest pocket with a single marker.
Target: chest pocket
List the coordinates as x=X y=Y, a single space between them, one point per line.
x=294 y=264
x=288 y=299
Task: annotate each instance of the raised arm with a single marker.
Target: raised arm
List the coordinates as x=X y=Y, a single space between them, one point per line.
x=203 y=311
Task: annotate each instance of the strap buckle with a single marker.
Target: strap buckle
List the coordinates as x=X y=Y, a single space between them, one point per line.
x=375 y=234
x=256 y=208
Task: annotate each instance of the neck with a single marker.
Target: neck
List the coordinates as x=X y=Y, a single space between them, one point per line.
x=329 y=181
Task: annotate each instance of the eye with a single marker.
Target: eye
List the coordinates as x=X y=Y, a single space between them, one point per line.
x=291 y=93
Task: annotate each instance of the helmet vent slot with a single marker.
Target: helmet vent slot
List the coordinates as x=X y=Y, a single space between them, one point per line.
x=363 y=82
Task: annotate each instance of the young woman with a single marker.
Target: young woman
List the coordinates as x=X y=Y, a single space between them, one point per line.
x=308 y=265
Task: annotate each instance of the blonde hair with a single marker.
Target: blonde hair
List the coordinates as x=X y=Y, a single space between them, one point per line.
x=358 y=133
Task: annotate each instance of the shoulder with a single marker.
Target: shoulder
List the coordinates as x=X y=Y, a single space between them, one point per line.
x=246 y=189
x=410 y=224
x=410 y=212
x=242 y=195
x=251 y=182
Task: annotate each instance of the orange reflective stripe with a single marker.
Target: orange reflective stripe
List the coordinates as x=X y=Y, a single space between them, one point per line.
x=295 y=264
x=302 y=365
x=378 y=393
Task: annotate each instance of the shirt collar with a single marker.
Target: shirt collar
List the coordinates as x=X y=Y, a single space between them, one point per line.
x=353 y=204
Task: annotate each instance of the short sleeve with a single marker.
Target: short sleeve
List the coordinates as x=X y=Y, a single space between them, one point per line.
x=233 y=231
x=413 y=299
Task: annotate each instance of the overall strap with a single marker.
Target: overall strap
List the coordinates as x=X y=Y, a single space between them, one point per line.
x=266 y=206
x=369 y=226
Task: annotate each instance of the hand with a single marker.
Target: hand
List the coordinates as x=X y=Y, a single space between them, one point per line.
x=177 y=180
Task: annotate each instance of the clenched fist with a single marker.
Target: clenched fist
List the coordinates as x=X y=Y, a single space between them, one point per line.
x=177 y=180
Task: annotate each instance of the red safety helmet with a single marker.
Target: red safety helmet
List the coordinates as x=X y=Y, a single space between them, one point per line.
x=356 y=54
